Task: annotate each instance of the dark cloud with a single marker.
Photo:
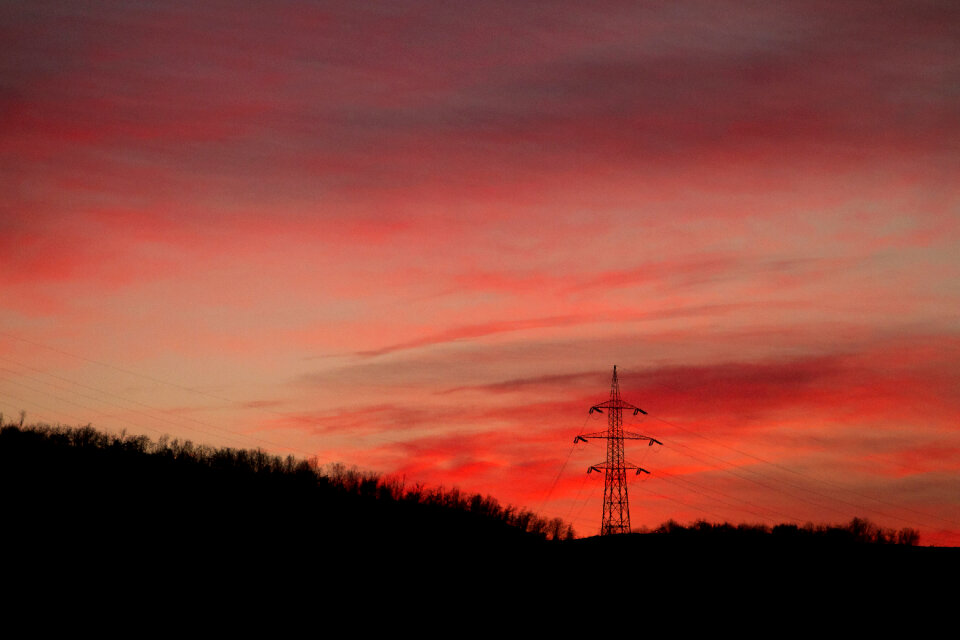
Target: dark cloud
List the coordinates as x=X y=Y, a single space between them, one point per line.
x=480 y=207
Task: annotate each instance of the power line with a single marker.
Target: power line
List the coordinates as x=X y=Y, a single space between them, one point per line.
x=229 y=432
x=375 y=438
x=689 y=485
x=799 y=487
x=232 y=435
x=809 y=477
x=686 y=504
x=82 y=406
x=378 y=438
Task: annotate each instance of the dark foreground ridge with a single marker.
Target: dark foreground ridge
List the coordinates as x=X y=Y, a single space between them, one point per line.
x=65 y=483
x=81 y=501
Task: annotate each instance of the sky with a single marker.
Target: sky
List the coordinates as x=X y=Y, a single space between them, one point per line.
x=415 y=237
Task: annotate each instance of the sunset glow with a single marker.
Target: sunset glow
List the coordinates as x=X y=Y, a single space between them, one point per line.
x=416 y=237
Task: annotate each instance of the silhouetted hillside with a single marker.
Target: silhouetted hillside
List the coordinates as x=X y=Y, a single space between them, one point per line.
x=86 y=503
x=857 y=531
x=83 y=484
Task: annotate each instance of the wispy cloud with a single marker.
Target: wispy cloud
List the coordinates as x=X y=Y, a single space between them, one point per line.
x=750 y=209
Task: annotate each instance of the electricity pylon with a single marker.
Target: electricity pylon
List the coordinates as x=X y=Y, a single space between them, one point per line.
x=616 y=506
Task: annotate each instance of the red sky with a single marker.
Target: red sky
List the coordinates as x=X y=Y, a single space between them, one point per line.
x=416 y=237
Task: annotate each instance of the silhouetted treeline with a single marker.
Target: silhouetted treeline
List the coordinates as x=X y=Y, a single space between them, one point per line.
x=858 y=530
x=77 y=502
x=84 y=480
x=372 y=485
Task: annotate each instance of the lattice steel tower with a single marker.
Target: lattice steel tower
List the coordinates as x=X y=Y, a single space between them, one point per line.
x=616 y=506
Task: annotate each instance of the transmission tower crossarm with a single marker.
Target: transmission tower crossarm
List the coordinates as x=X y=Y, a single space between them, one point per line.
x=627 y=435
x=601 y=466
x=617 y=404
x=597 y=434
